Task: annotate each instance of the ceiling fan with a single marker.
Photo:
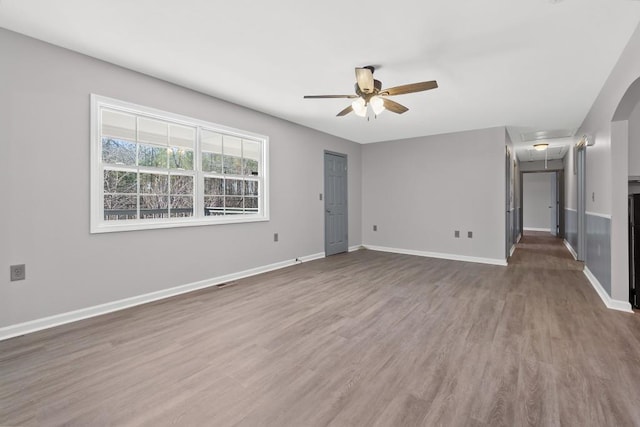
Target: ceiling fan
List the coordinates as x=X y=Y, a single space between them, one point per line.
x=369 y=92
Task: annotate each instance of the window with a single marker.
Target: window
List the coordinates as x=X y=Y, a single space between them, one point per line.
x=152 y=169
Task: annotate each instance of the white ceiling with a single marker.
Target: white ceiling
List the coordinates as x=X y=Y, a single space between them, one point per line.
x=530 y=65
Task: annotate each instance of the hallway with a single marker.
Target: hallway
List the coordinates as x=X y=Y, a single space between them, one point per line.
x=543 y=250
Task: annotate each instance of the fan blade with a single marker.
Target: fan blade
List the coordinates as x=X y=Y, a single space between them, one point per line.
x=345 y=111
x=410 y=88
x=393 y=106
x=364 y=77
x=329 y=96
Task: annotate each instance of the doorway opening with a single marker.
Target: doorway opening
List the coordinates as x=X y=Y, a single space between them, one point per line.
x=624 y=267
x=541 y=202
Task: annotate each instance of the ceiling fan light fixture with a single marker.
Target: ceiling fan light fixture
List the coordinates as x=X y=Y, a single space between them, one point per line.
x=369 y=91
x=359 y=107
x=377 y=105
x=540 y=147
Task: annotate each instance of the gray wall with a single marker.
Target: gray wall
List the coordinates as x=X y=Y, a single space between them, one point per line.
x=418 y=191
x=44 y=184
x=536 y=199
x=598 y=257
x=607 y=170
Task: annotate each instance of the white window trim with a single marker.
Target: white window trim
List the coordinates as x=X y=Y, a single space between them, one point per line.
x=97 y=222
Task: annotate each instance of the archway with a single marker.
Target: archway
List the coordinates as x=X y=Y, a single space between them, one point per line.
x=619 y=192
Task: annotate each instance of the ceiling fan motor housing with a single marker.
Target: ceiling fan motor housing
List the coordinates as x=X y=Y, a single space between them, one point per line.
x=377 y=87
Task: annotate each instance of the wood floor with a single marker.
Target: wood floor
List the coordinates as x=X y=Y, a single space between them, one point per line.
x=359 y=339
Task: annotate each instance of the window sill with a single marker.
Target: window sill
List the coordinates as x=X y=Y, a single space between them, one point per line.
x=105 y=227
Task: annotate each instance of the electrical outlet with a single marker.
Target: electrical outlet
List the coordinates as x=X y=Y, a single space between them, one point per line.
x=375 y=228
x=470 y=234
x=456 y=234
x=320 y=196
x=275 y=237
x=18 y=272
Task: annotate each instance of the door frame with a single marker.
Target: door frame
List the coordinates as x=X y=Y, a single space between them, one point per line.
x=508 y=200
x=560 y=223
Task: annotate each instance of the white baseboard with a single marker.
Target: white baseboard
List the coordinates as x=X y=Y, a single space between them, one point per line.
x=355 y=248
x=513 y=249
x=537 y=229
x=305 y=258
x=519 y=238
x=452 y=257
x=97 y=310
x=573 y=252
x=608 y=301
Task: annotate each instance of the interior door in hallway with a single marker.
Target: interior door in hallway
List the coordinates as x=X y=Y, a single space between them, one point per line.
x=336 y=234
x=509 y=241
x=581 y=162
x=553 y=206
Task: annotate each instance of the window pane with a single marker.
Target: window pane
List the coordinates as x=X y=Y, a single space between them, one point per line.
x=250 y=167
x=232 y=147
x=150 y=130
x=154 y=156
x=251 y=204
x=154 y=202
x=120 y=207
x=179 y=158
x=118 y=151
x=212 y=162
x=211 y=151
x=232 y=165
x=120 y=182
x=118 y=125
x=181 y=184
x=152 y=183
x=213 y=205
x=251 y=157
x=154 y=207
x=211 y=141
x=182 y=136
x=233 y=205
x=181 y=206
x=233 y=187
x=213 y=186
x=120 y=201
x=251 y=188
